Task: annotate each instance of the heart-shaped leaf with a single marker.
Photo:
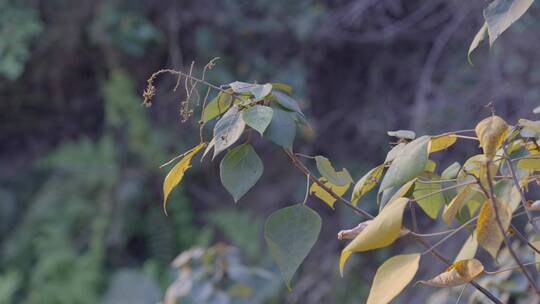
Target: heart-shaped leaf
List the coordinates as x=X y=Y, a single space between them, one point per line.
x=290 y=234
x=240 y=170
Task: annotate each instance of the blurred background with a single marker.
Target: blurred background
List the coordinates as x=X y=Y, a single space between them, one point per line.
x=80 y=185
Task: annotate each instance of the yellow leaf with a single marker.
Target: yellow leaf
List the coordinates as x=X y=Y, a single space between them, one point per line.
x=383 y=231
x=536 y=243
x=459 y=273
x=403 y=190
x=392 y=277
x=366 y=183
x=456 y=204
x=324 y=195
x=468 y=251
x=442 y=142
x=489 y=235
x=491 y=133
x=531 y=164
x=174 y=177
x=430 y=166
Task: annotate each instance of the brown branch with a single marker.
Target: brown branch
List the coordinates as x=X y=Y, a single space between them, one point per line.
x=296 y=162
x=493 y=200
x=522 y=195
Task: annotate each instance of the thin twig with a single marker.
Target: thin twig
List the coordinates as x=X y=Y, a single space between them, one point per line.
x=493 y=200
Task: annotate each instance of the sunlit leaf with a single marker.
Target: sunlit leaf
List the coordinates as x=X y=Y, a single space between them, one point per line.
x=536 y=110
x=259 y=91
x=240 y=170
x=219 y=105
x=406 y=134
x=392 y=277
x=442 y=142
x=324 y=195
x=430 y=166
x=409 y=163
x=468 y=251
x=430 y=204
x=451 y=171
x=489 y=235
x=383 y=231
x=287 y=102
x=175 y=176
x=228 y=130
x=478 y=38
x=404 y=191
x=456 y=204
x=500 y=14
x=491 y=133
x=459 y=273
x=326 y=169
x=366 y=183
x=258 y=117
x=530 y=164
x=282 y=129
x=393 y=153
x=290 y=234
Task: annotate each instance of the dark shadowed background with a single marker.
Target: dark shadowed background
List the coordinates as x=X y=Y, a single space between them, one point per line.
x=80 y=184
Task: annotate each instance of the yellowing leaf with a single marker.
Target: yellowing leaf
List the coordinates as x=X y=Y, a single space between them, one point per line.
x=531 y=164
x=430 y=166
x=468 y=251
x=402 y=191
x=326 y=169
x=324 y=195
x=392 y=277
x=536 y=243
x=383 y=231
x=174 y=177
x=366 y=183
x=456 y=204
x=442 y=142
x=459 y=273
x=491 y=133
x=489 y=235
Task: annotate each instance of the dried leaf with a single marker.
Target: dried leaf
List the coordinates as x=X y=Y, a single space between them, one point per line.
x=489 y=235
x=491 y=133
x=456 y=204
x=174 y=177
x=459 y=273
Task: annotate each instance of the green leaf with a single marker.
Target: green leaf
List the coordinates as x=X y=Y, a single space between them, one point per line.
x=228 y=130
x=282 y=129
x=240 y=169
x=217 y=106
x=451 y=172
x=500 y=14
x=394 y=152
x=408 y=164
x=407 y=134
x=290 y=234
x=326 y=169
x=431 y=204
x=258 y=117
x=287 y=102
x=478 y=38
x=392 y=277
